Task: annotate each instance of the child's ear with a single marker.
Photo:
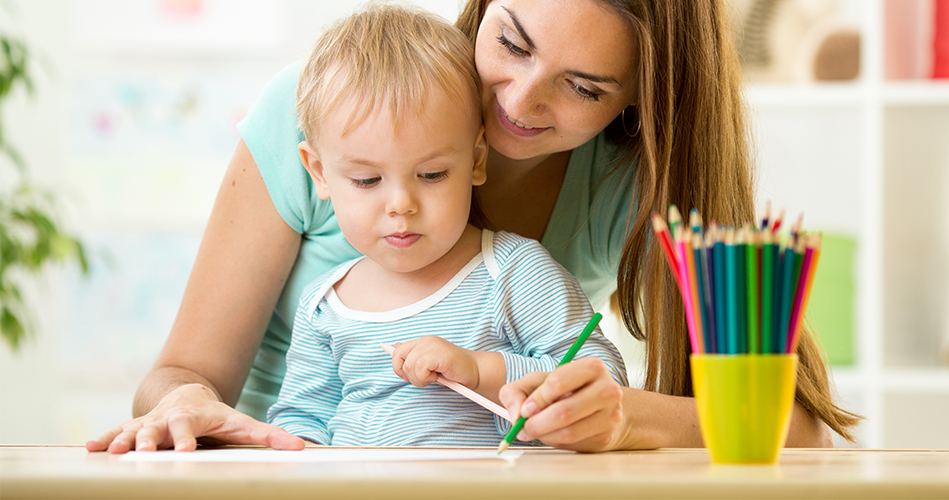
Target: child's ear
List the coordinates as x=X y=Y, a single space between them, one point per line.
x=311 y=161
x=479 y=174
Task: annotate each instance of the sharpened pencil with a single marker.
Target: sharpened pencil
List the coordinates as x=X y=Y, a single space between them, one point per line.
x=665 y=242
x=577 y=344
x=767 y=292
x=753 y=291
x=814 y=246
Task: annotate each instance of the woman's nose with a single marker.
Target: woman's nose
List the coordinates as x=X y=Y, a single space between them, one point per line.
x=527 y=96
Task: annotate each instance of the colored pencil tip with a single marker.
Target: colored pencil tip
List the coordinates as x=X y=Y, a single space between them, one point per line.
x=658 y=224
x=503 y=446
x=695 y=220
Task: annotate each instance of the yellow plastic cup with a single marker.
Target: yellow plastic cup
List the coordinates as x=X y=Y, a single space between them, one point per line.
x=744 y=404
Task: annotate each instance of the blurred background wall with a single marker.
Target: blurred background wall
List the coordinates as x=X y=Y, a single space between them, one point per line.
x=132 y=124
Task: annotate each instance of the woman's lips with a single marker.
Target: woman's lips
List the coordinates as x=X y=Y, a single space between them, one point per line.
x=402 y=240
x=509 y=124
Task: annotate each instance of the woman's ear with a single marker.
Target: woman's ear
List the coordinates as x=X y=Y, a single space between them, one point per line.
x=311 y=161
x=479 y=174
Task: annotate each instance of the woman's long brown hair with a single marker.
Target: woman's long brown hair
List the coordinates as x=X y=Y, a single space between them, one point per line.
x=692 y=150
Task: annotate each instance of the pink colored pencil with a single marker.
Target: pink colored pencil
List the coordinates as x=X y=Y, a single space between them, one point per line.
x=813 y=247
x=797 y=314
x=464 y=391
x=686 y=292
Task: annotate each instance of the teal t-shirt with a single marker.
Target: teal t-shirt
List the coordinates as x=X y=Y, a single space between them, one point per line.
x=585 y=234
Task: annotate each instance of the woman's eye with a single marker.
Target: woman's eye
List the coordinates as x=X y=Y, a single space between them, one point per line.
x=585 y=93
x=509 y=45
x=434 y=176
x=365 y=183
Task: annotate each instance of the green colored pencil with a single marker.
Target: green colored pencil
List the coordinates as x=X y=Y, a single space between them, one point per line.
x=584 y=335
x=767 y=276
x=741 y=298
x=731 y=292
x=787 y=283
x=718 y=277
x=753 y=291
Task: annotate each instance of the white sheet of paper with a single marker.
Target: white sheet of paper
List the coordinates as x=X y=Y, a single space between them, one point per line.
x=318 y=455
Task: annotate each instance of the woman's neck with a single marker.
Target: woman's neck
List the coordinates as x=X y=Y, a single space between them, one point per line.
x=519 y=195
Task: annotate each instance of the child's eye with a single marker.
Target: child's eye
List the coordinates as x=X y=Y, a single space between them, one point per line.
x=585 y=93
x=434 y=176
x=509 y=45
x=365 y=183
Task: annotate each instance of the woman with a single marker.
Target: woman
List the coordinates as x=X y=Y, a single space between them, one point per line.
x=597 y=113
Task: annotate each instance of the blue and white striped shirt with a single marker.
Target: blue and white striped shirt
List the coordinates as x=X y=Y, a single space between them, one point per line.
x=512 y=298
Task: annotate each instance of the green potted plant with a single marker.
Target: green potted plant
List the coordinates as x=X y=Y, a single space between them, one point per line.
x=30 y=235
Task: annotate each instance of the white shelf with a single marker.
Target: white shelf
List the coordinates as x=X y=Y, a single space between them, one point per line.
x=903 y=380
x=796 y=95
x=916 y=380
x=916 y=93
x=850 y=94
x=847 y=140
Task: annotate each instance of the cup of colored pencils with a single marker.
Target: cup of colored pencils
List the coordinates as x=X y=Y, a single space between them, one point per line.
x=745 y=290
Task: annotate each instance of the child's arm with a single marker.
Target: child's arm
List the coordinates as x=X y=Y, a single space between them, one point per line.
x=542 y=312
x=311 y=390
x=420 y=361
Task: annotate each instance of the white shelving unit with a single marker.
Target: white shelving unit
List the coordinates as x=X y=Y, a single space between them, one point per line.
x=864 y=158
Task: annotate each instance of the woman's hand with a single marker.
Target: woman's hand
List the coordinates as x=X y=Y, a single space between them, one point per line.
x=578 y=406
x=189 y=412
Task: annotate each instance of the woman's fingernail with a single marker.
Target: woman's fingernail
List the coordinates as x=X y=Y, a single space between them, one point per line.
x=522 y=437
x=512 y=411
x=528 y=409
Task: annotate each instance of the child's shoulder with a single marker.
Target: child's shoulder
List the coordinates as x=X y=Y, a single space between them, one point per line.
x=504 y=251
x=315 y=290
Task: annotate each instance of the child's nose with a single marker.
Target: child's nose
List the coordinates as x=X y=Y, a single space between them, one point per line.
x=402 y=201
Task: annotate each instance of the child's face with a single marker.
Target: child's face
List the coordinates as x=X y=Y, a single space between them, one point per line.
x=402 y=199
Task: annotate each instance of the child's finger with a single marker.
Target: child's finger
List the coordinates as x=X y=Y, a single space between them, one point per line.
x=398 y=365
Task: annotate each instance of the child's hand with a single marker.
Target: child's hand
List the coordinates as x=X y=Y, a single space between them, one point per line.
x=422 y=360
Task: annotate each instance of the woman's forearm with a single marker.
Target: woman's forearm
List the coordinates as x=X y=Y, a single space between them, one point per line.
x=161 y=381
x=654 y=420
x=808 y=431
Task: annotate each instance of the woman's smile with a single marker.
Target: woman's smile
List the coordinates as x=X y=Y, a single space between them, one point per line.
x=517 y=127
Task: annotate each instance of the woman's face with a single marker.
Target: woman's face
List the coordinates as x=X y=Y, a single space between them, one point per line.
x=555 y=73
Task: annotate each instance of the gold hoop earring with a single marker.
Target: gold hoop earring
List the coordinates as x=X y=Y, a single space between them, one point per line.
x=639 y=123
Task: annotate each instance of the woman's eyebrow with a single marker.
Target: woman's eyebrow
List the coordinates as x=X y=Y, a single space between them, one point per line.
x=519 y=28
x=593 y=78
x=530 y=44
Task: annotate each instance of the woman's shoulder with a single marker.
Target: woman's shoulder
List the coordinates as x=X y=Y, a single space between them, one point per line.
x=599 y=155
x=271 y=133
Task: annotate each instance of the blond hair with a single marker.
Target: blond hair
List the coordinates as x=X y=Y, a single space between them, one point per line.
x=390 y=54
x=690 y=150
